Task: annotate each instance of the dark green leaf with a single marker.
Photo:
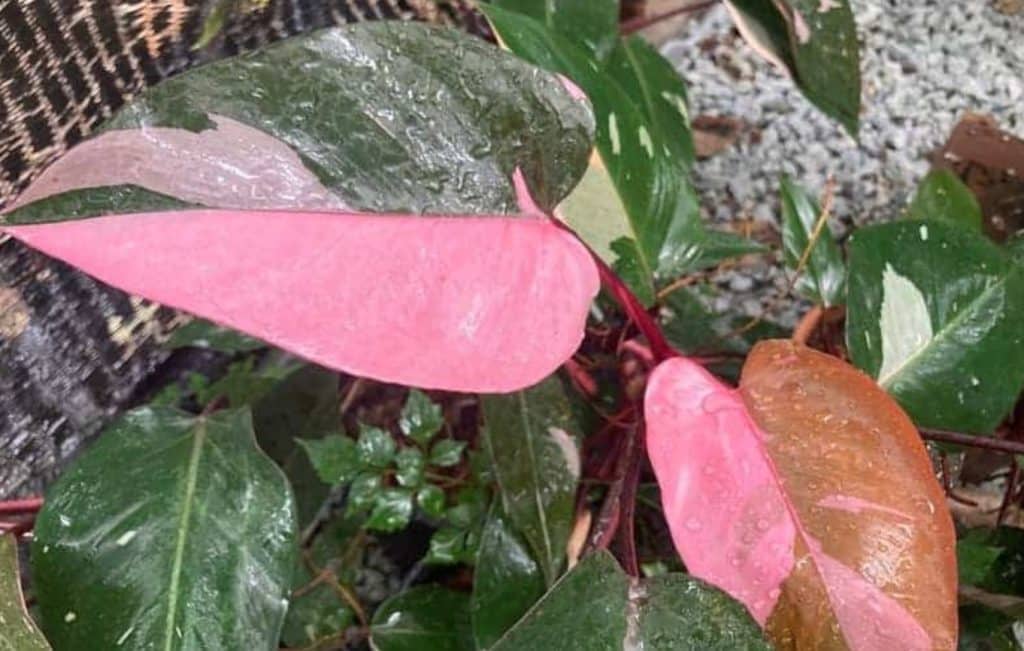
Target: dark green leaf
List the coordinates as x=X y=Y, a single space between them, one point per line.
x=89 y=202
x=421 y=417
x=585 y=609
x=975 y=560
x=446 y=453
x=590 y=24
x=934 y=313
x=819 y=48
x=430 y=498
x=536 y=463
x=986 y=629
x=334 y=457
x=410 y=464
x=993 y=560
x=823 y=276
x=317 y=614
x=423 y=136
x=304 y=404
x=506 y=583
x=681 y=613
x=943 y=196
x=375 y=447
x=363 y=492
x=447 y=546
x=199 y=333
x=392 y=510
x=179 y=512
x=17 y=630
x=658 y=91
x=470 y=507
x=421 y=619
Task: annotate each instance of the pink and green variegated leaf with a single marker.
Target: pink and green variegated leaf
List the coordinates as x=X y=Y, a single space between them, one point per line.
x=481 y=303
x=807 y=495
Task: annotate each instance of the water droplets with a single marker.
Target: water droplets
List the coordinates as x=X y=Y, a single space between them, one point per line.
x=693 y=524
x=70 y=616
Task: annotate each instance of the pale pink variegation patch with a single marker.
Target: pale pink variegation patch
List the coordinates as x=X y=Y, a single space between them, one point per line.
x=772 y=493
x=473 y=303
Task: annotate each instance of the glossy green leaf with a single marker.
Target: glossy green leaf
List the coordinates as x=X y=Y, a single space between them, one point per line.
x=446 y=453
x=595 y=606
x=203 y=334
x=658 y=91
x=585 y=609
x=423 y=618
x=334 y=457
x=943 y=196
x=382 y=119
x=191 y=538
x=986 y=629
x=816 y=42
x=392 y=510
x=934 y=313
x=528 y=436
x=421 y=417
x=410 y=467
x=363 y=492
x=975 y=559
x=681 y=613
x=430 y=498
x=375 y=447
x=507 y=581
x=590 y=24
x=302 y=406
x=17 y=630
x=823 y=277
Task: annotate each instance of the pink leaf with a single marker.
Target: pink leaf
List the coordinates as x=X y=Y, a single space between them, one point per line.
x=487 y=304
x=807 y=495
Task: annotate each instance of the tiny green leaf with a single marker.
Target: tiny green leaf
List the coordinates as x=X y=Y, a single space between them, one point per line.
x=334 y=458
x=421 y=417
x=392 y=510
x=447 y=546
x=375 y=447
x=199 y=333
x=410 y=465
x=363 y=492
x=446 y=453
x=430 y=498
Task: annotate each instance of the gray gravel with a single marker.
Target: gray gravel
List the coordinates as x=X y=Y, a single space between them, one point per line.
x=924 y=63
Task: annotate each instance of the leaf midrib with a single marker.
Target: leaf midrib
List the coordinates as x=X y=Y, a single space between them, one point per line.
x=528 y=430
x=191 y=480
x=914 y=359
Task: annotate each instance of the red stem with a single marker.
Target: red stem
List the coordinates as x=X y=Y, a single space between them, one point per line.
x=967 y=440
x=631 y=305
x=27 y=505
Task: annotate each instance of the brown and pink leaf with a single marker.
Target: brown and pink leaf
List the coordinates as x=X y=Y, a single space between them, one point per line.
x=807 y=494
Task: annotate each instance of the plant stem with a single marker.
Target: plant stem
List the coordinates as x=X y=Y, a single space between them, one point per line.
x=643 y=22
x=808 y=324
x=634 y=310
x=967 y=440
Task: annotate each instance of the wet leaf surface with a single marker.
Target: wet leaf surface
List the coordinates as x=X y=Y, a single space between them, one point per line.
x=17 y=630
x=529 y=438
x=594 y=24
x=807 y=495
x=372 y=116
x=934 y=313
x=424 y=617
x=506 y=583
x=170 y=532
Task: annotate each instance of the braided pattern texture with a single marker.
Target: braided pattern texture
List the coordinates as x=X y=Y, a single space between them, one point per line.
x=68 y=65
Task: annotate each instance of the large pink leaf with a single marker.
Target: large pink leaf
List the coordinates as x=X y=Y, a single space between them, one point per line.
x=489 y=303
x=807 y=495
